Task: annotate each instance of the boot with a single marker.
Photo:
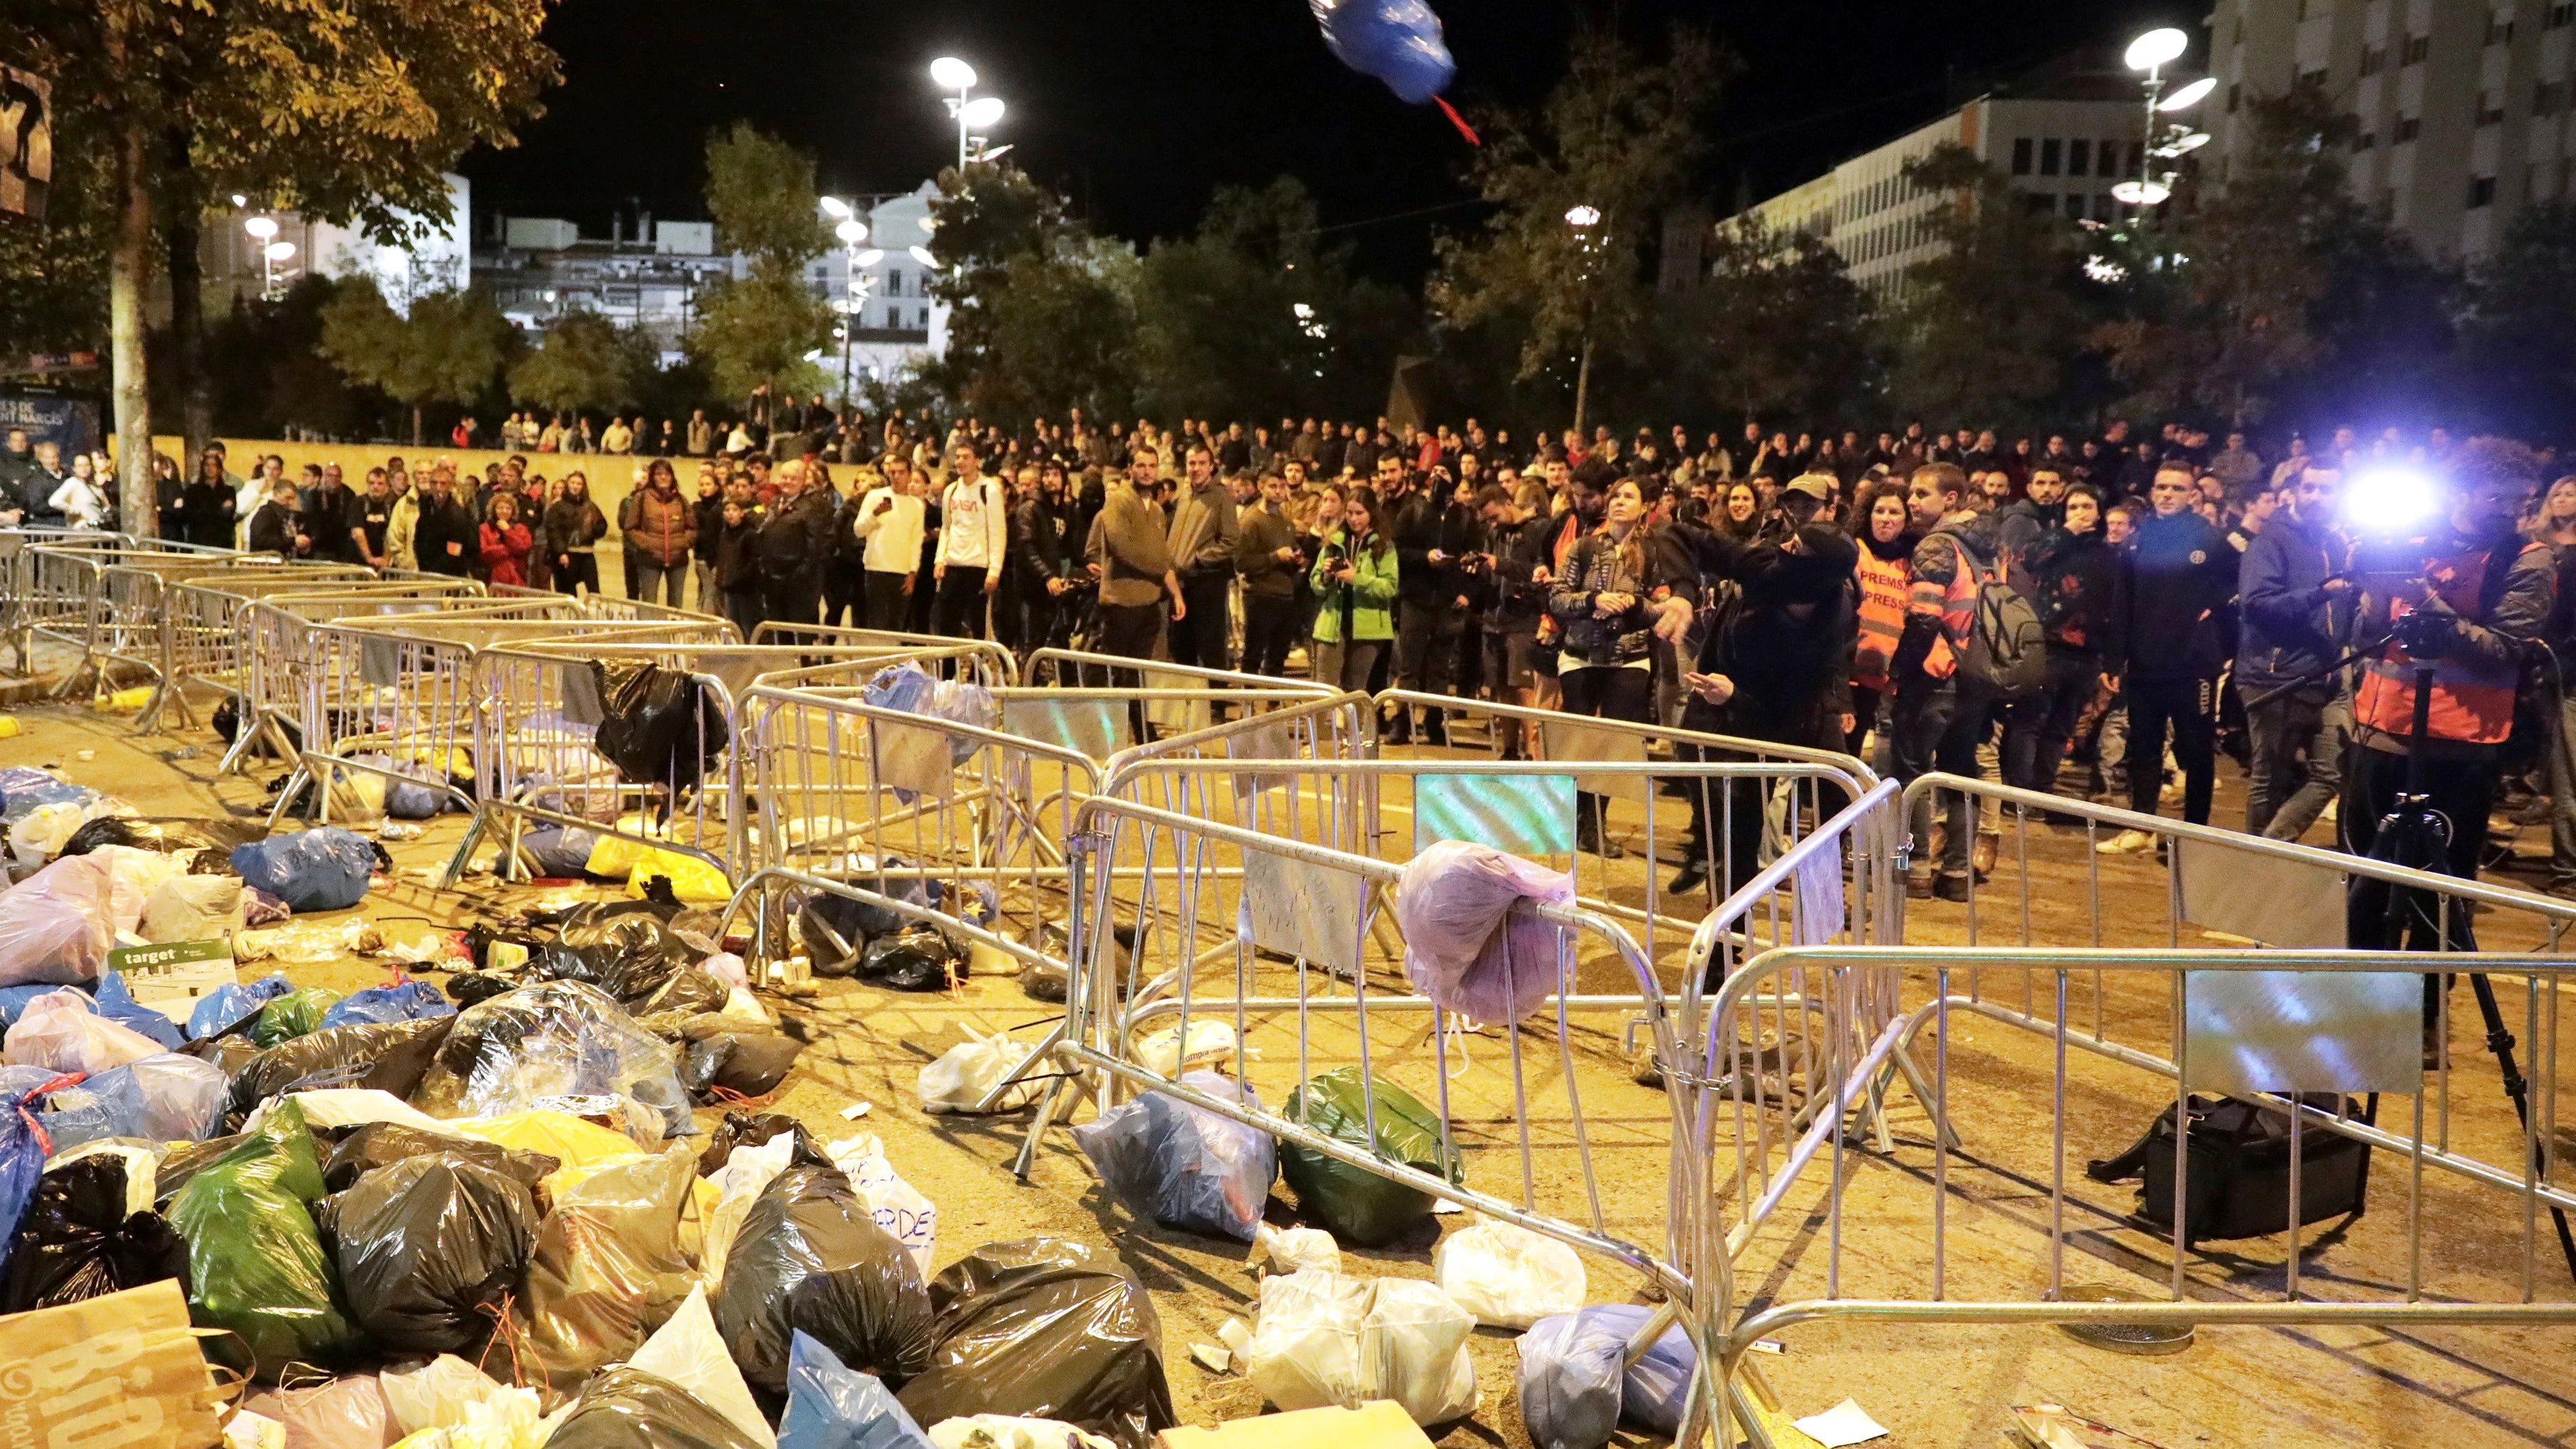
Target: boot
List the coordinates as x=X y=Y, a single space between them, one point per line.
x=1435 y=728
x=1399 y=731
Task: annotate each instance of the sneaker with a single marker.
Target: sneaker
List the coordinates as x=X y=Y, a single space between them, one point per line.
x=2127 y=842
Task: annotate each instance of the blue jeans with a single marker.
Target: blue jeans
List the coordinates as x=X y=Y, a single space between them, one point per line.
x=1937 y=726
x=669 y=583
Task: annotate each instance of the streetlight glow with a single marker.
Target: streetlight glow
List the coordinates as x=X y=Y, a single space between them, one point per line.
x=261 y=226
x=982 y=112
x=1583 y=216
x=2140 y=193
x=953 y=74
x=2157 y=48
x=2190 y=95
x=834 y=206
x=868 y=258
x=923 y=256
x=280 y=251
x=852 y=231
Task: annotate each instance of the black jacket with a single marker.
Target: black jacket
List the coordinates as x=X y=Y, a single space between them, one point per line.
x=1784 y=638
x=2079 y=589
x=1043 y=545
x=206 y=514
x=795 y=540
x=274 y=529
x=2291 y=625
x=1518 y=550
x=1426 y=524
x=440 y=525
x=329 y=514
x=2182 y=572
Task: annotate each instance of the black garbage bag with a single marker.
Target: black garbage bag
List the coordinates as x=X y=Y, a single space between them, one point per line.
x=688 y=992
x=744 y=1129
x=170 y=836
x=386 y=1056
x=229 y=1052
x=185 y=1160
x=77 y=1241
x=382 y=1144
x=627 y=1408
x=472 y=988
x=916 y=958
x=660 y=727
x=226 y=721
x=751 y=1066
x=811 y=1259
x=1047 y=1328
x=625 y=948
x=428 y=1249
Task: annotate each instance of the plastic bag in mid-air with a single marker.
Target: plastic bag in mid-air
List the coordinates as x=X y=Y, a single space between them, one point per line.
x=1464 y=947
x=810 y=1259
x=1398 y=42
x=255 y=1262
x=551 y=1040
x=326 y=869
x=1358 y=1205
x=1046 y=1328
x=429 y=1249
x=1322 y=1338
x=833 y=1406
x=1184 y=1166
x=1508 y=1276
x=1574 y=1394
x=83 y=1237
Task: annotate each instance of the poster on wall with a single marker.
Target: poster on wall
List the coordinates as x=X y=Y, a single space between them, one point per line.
x=72 y=420
x=26 y=142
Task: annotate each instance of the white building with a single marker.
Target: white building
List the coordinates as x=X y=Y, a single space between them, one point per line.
x=2072 y=132
x=2463 y=104
x=231 y=245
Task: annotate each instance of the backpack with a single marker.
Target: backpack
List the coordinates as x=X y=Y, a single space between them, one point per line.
x=2005 y=648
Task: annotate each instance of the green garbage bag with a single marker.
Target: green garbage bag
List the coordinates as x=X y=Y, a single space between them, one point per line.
x=1358 y=1205
x=255 y=1261
x=297 y=1013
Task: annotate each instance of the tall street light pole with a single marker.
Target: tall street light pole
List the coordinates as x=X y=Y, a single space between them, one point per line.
x=1584 y=220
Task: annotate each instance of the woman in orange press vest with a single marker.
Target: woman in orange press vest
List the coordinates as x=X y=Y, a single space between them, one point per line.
x=1879 y=521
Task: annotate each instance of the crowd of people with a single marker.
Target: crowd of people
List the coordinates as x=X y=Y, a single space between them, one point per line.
x=2133 y=604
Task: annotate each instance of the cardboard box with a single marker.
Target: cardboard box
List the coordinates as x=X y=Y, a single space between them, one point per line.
x=170 y=978
x=1376 y=1425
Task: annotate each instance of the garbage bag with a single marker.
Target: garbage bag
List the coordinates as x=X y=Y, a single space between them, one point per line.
x=194 y=907
x=56 y=925
x=297 y=1013
x=115 y=1001
x=40 y=834
x=184 y=1160
x=1049 y=1328
x=169 y=836
x=1463 y=946
x=448 y=1393
x=176 y=1096
x=389 y=1058
x=627 y=1407
x=810 y=1259
x=554 y=1039
x=411 y=1001
x=572 y=1142
x=382 y=1144
x=255 y=1262
x=1573 y=1392
x=1507 y=1276
x=966 y=1073
x=24 y=787
x=919 y=957
x=607 y=1268
x=80 y=1237
x=63 y=1030
x=750 y=1066
x=660 y=727
x=1183 y=1166
x=689 y=1352
x=1358 y=1205
x=738 y=1184
x=833 y=1406
x=473 y=988
x=22 y=1144
x=559 y=852
x=408 y=793
x=349 y=1412
x=680 y=875
x=91 y=1109
x=326 y=869
x=428 y=1250
x=625 y=948
x=744 y=1129
x=899 y=1208
x=828 y=914
x=1398 y=42
x=228 y=1008
x=1322 y=1338
x=1290 y=1250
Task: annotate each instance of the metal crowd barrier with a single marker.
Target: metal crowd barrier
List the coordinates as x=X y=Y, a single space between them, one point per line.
x=203 y=624
x=61 y=594
x=987 y=663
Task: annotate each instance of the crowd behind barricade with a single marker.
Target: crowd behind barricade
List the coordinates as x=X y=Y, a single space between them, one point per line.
x=2110 y=602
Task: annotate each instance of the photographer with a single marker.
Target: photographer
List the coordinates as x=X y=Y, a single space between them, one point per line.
x=2478 y=597
x=1436 y=534
x=2297 y=600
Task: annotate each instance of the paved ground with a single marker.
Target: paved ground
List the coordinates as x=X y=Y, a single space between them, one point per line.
x=1933 y=1385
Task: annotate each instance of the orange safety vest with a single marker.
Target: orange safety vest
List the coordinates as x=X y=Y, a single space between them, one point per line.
x=2472 y=700
x=1883 y=584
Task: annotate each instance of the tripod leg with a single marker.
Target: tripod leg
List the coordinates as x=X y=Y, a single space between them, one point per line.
x=2500 y=1042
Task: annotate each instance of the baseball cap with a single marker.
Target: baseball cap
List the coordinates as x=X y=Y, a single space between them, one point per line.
x=1815 y=485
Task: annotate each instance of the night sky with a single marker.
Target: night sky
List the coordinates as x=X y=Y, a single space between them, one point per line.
x=1137 y=109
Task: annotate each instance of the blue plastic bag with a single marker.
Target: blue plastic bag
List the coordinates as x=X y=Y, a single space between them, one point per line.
x=107 y=1104
x=176 y=1096
x=311 y=870
x=406 y=797
x=1573 y=1395
x=117 y=1004
x=22 y=1146
x=226 y=1007
x=14 y=999
x=560 y=851
x=832 y=1406
x=1185 y=1166
x=411 y=1001
x=1396 y=41
x=23 y=789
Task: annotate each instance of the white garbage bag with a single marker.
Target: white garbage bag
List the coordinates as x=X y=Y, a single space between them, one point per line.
x=967 y=1071
x=41 y=833
x=62 y=1031
x=690 y=1353
x=1292 y=1250
x=193 y=908
x=901 y=1211
x=1508 y=1276
x=1323 y=1338
x=449 y=1393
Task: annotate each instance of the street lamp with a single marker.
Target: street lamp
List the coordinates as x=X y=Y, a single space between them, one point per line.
x=852 y=233
x=263 y=229
x=2151 y=53
x=1583 y=219
x=971 y=112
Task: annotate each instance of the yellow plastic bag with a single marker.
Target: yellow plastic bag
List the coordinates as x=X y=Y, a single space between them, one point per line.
x=692 y=880
x=559 y=1135
x=126 y=701
x=613 y=857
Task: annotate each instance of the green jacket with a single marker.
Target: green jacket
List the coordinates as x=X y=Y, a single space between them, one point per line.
x=1369 y=596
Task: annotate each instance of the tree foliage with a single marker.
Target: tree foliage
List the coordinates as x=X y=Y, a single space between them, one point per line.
x=1778 y=327
x=585 y=362
x=2519 y=327
x=760 y=328
x=446 y=350
x=1985 y=330
x=1042 y=314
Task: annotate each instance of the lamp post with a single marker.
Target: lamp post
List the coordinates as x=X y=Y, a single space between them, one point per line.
x=971 y=112
x=1584 y=220
x=263 y=229
x=853 y=234
x=2161 y=141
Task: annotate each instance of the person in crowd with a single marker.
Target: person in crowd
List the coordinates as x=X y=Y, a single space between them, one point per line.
x=1268 y=561
x=502 y=545
x=707 y=596
x=1356 y=576
x=2297 y=595
x=2182 y=574
x=975 y=513
x=2079 y=589
x=444 y=536
x=372 y=520
x=1741 y=516
x=572 y=530
x=1938 y=717
x=888 y=519
x=1438 y=541
x=795 y=546
x=662 y=536
x=1606 y=602
x=46 y=481
x=330 y=513
x=1882 y=580
x=2555 y=528
x=736 y=569
x=1128 y=552
x=278 y=525
x=617 y=438
x=1046 y=556
x=208 y=504
x=1202 y=537
x=1516 y=559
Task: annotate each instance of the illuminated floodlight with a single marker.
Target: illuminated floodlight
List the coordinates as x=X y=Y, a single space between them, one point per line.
x=2190 y=95
x=2389 y=502
x=953 y=74
x=851 y=232
x=2157 y=48
x=869 y=258
x=982 y=113
x=923 y=256
x=835 y=206
x=262 y=227
x=281 y=251
x=2140 y=193
x=1583 y=216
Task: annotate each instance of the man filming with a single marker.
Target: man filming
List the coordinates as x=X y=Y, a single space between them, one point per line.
x=2467 y=598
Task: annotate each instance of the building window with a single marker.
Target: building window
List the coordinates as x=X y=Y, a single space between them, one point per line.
x=2548 y=98
x=2418 y=47
x=2314 y=80
x=2107 y=159
x=894 y=318
x=2039 y=203
x=2021 y=156
x=2561 y=15
x=2481 y=191
x=2408 y=127
x=894 y=281
x=2499 y=28
x=2490 y=108
x=2374 y=59
x=2079 y=156
x=2048 y=156
x=2365 y=140
x=2075 y=206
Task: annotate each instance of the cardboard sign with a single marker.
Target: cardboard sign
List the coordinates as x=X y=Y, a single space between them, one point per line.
x=170 y=977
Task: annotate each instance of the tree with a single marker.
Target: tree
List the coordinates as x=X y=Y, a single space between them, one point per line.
x=1615 y=143
x=347 y=112
x=1985 y=328
x=446 y=351
x=586 y=361
x=760 y=328
x=1042 y=314
x=1778 y=326
x=2519 y=327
